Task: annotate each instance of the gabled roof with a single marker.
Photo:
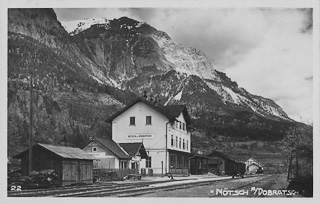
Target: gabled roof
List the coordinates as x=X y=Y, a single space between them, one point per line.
x=255 y=164
x=113 y=147
x=134 y=148
x=64 y=152
x=253 y=159
x=170 y=111
x=220 y=154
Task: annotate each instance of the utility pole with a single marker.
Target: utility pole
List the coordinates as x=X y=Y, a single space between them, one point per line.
x=289 y=168
x=31 y=120
x=297 y=165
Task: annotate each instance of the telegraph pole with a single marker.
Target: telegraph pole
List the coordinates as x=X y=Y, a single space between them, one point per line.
x=31 y=121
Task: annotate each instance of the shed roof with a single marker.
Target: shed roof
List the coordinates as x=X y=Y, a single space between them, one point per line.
x=198 y=156
x=64 y=152
x=170 y=111
x=134 y=148
x=113 y=147
x=220 y=154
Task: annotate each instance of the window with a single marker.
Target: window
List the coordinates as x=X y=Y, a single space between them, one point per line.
x=176 y=142
x=132 y=120
x=180 y=125
x=94 y=149
x=123 y=165
x=148 y=120
x=172 y=162
x=186 y=162
x=179 y=161
x=172 y=140
x=148 y=162
x=176 y=124
x=187 y=144
x=184 y=126
x=179 y=143
x=183 y=144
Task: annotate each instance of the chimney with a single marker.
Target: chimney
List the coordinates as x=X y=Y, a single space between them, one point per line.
x=155 y=101
x=150 y=99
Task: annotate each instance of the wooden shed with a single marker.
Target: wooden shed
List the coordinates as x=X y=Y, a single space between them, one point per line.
x=220 y=163
x=72 y=165
x=199 y=164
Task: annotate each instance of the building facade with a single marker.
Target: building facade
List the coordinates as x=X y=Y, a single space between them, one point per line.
x=163 y=130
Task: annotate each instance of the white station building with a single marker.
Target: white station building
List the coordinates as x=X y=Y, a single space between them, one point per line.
x=163 y=130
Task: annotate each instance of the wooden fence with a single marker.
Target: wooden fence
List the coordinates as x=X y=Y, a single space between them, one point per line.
x=120 y=172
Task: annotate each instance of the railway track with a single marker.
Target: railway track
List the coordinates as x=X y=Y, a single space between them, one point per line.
x=264 y=183
x=80 y=190
x=111 y=189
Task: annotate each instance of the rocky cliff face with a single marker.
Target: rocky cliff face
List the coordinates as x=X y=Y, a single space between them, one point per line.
x=83 y=77
x=138 y=57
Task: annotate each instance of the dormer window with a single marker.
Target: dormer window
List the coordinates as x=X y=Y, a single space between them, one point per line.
x=132 y=120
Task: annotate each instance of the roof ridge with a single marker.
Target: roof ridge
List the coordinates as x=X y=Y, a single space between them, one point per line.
x=161 y=109
x=56 y=145
x=110 y=148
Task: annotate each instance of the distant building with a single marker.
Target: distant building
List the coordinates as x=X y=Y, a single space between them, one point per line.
x=252 y=165
x=163 y=130
x=72 y=165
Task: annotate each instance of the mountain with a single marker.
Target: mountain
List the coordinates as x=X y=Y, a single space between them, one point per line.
x=86 y=70
x=130 y=52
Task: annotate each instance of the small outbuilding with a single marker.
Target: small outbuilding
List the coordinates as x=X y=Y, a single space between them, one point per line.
x=220 y=163
x=199 y=164
x=252 y=165
x=72 y=165
x=109 y=153
x=116 y=156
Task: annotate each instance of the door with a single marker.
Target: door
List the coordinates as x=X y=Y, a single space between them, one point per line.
x=85 y=172
x=70 y=172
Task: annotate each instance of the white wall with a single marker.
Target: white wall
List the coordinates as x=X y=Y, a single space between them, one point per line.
x=158 y=156
x=121 y=127
x=156 y=144
x=106 y=159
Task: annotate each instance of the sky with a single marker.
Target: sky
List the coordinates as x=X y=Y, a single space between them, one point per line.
x=267 y=51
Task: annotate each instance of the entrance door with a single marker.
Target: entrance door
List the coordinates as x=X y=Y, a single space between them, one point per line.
x=85 y=172
x=70 y=172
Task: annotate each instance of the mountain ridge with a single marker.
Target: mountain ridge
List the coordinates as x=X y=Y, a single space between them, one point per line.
x=183 y=60
x=82 y=78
